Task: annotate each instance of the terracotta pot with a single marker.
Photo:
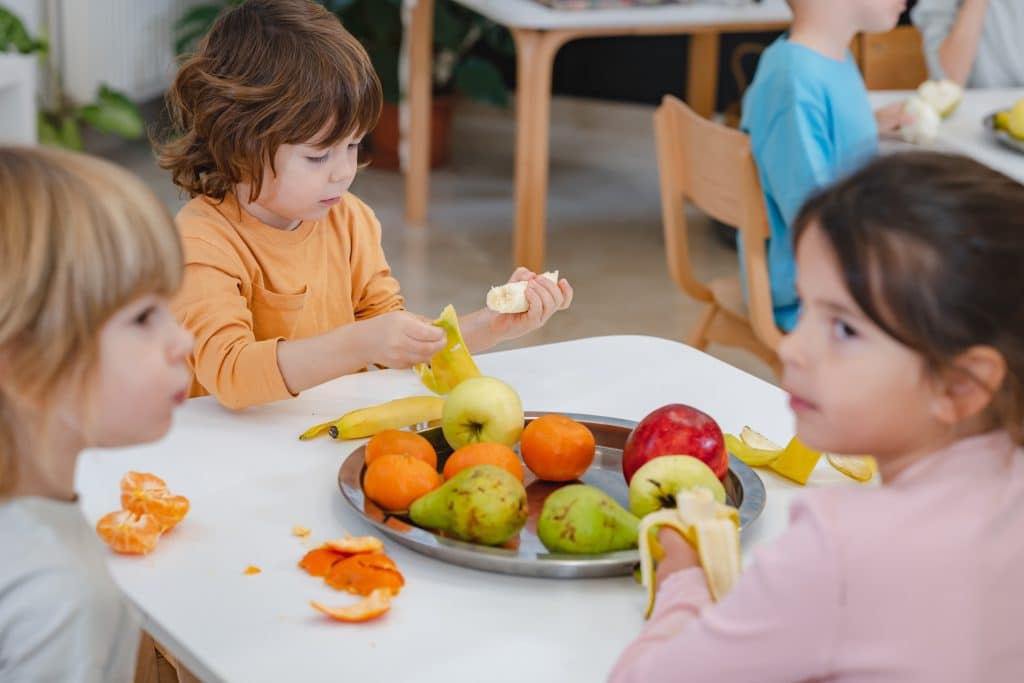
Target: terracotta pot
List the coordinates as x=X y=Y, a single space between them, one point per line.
x=383 y=141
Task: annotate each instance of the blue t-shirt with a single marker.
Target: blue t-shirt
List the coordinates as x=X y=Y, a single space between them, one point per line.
x=810 y=123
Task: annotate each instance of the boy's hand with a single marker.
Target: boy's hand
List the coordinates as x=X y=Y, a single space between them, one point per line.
x=401 y=339
x=890 y=119
x=545 y=299
x=679 y=554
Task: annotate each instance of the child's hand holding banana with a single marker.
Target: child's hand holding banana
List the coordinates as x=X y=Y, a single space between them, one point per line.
x=527 y=301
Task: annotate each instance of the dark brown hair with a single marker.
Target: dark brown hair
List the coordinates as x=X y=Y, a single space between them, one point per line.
x=931 y=247
x=269 y=72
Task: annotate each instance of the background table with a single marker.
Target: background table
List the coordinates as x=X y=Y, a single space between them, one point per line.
x=964 y=133
x=539 y=33
x=250 y=480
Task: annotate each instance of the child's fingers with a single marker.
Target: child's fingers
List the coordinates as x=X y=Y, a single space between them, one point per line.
x=542 y=287
x=567 y=293
x=522 y=273
x=535 y=312
x=425 y=332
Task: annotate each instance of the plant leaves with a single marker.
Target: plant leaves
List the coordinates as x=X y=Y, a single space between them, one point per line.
x=480 y=80
x=13 y=34
x=114 y=113
x=47 y=132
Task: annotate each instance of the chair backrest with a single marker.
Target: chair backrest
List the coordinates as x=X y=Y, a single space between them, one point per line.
x=712 y=167
x=893 y=60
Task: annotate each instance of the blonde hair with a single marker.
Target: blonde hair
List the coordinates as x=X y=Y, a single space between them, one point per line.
x=79 y=239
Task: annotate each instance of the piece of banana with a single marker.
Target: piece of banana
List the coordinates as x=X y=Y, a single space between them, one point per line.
x=707 y=525
x=511 y=297
x=364 y=422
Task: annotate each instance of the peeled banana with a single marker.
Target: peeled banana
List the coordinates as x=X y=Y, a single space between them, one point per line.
x=453 y=363
x=713 y=529
x=365 y=422
x=511 y=297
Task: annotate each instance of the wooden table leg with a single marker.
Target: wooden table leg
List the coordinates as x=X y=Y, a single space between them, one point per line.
x=535 y=52
x=417 y=172
x=702 y=76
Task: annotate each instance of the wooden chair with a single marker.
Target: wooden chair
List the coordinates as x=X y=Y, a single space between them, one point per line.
x=893 y=60
x=155 y=665
x=711 y=166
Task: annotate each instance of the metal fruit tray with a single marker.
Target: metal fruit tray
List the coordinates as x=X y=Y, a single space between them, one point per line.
x=525 y=555
x=1002 y=136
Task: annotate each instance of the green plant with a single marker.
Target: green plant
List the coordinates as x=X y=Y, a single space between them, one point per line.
x=59 y=124
x=464 y=43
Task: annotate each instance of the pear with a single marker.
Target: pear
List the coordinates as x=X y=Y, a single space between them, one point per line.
x=482 y=504
x=583 y=519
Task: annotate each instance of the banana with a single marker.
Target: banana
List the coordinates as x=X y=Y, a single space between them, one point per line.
x=452 y=364
x=750 y=454
x=711 y=528
x=511 y=297
x=364 y=422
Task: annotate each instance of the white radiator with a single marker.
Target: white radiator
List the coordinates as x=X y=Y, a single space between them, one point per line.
x=127 y=44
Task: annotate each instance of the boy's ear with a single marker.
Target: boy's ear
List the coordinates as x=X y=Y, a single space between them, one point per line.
x=969 y=386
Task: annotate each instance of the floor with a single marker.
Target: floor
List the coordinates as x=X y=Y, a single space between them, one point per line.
x=604 y=224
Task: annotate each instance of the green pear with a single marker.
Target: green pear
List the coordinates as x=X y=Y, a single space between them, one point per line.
x=583 y=519
x=482 y=504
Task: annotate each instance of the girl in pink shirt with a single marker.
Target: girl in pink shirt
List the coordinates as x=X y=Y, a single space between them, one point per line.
x=910 y=346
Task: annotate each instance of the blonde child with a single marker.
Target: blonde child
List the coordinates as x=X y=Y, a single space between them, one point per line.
x=910 y=347
x=90 y=355
x=286 y=285
x=810 y=121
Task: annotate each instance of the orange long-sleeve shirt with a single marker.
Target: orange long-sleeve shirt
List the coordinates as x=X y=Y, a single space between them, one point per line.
x=248 y=286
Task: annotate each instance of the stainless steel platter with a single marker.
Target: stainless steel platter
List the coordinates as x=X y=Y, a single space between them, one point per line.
x=525 y=555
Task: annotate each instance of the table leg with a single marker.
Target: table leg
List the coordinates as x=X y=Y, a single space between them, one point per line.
x=535 y=52
x=421 y=56
x=702 y=76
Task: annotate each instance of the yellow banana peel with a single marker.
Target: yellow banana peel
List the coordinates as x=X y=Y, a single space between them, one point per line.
x=859 y=467
x=364 y=422
x=452 y=364
x=796 y=461
x=755 y=457
x=713 y=529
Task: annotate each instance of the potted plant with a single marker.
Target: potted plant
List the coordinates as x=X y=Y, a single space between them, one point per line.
x=465 y=48
x=59 y=123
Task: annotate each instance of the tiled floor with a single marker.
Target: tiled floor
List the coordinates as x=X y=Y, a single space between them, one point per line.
x=604 y=224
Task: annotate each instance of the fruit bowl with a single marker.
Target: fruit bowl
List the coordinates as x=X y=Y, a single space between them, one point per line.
x=525 y=555
x=1002 y=136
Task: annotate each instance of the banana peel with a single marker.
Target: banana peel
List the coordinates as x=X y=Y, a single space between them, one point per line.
x=713 y=529
x=796 y=461
x=452 y=364
x=364 y=422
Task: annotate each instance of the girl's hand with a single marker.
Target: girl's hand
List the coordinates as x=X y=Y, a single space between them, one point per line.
x=679 y=554
x=890 y=119
x=545 y=299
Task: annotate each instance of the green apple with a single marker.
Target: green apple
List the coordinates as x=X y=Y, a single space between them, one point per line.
x=482 y=409
x=655 y=485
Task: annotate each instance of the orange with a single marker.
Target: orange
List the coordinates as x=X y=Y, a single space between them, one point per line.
x=484 y=453
x=556 y=448
x=400 y=442
x=147 y=494
x=128 y=533
x=372 y=607
x=395 y=481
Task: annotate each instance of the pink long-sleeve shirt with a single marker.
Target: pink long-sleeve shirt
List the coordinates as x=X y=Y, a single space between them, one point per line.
x=918 y=580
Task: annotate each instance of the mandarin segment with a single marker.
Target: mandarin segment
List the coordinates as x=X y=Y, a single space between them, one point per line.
x=128 y=533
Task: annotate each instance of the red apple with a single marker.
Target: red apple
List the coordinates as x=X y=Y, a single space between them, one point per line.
x=676 y=429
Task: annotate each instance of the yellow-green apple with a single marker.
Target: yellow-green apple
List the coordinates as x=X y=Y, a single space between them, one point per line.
x=482 y=409
x=655 y=485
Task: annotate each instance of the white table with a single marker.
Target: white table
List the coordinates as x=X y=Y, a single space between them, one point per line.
x=250 y=480
x=964 y=133
x=539 y=33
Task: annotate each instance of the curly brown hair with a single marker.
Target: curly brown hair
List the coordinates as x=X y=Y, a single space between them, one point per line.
x=930 y=246
x=269 y=72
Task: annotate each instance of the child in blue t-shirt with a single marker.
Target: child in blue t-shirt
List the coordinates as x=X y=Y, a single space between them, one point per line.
x=810 y=121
